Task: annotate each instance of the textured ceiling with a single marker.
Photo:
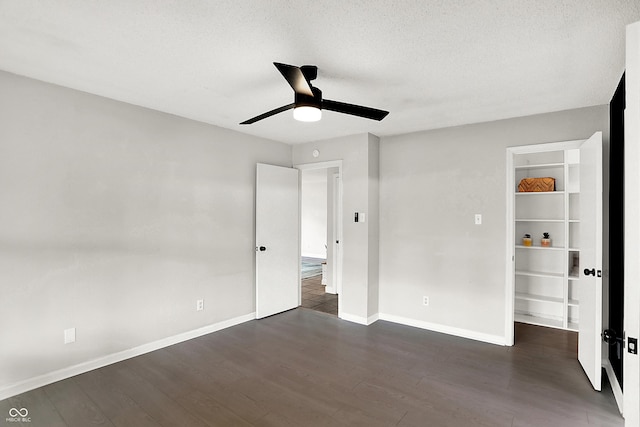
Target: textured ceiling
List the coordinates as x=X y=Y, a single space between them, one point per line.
x=431 y=63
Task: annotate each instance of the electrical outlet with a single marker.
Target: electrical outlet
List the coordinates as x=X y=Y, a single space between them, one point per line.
x=69 y=335
x=200 y=305
x=425 y=301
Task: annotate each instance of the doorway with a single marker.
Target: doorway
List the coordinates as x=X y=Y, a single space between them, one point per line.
x=557 y=281
x=616 y=233
x=321 y=229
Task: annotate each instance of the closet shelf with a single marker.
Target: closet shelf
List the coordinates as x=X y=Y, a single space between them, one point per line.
x=537 y=320
x=541 y=298
x=539 y=220
x=538 y=193
x=539 y=274
x=541 y=166
x=544 y=248
x=545 y=291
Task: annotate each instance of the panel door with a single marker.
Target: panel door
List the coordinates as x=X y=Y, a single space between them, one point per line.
x=277 y=240
x=590 y=284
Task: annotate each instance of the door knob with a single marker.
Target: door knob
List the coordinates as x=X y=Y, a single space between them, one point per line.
x=262 y=249
x=588 y=272
x=611 y=337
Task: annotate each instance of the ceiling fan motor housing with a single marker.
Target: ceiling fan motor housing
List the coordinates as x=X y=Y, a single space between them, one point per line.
x=310 y=72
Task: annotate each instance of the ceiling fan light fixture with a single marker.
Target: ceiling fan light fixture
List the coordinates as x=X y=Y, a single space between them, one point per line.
x=306 y=113
x=307 y=101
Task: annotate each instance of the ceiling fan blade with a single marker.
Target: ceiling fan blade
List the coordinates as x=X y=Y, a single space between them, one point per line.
x=295 y=77
x=268 y=114
x=354 y=110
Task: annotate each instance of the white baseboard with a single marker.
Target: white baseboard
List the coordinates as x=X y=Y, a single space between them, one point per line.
x=373 y=318
x=319 y=256
x=615 y=386
x=61 y=374
x=353 y=318
x=330 y=290
x=359 y=319
x=449 y=330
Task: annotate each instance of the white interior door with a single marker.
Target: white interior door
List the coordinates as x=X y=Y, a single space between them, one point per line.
x=590 y=241
x=277 y=240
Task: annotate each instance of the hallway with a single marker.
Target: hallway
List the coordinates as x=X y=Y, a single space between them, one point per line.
x=315 y=298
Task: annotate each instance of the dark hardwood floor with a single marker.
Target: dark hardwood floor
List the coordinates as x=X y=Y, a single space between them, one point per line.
x=304 y=368
x=315 y=297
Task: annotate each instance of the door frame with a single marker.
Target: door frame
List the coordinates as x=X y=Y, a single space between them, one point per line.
x=615 y=303
x=631 y=362
x=337 y=226
x=510 y=283
x=336 y=215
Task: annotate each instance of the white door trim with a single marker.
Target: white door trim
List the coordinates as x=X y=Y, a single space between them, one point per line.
x=509 y=291
x=337 y=233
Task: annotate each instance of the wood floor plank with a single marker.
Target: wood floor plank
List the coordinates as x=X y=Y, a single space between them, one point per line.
x=41 y=412
x=74 y=406
x=134 y=418
x=152 y=400
x=294 y=406
x=305 y=368
x=112 y=401
x=210 y=410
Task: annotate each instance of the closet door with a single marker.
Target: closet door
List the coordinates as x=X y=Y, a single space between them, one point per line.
x=590 y=283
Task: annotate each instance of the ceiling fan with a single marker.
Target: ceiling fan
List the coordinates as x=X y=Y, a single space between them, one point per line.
x=308 y=103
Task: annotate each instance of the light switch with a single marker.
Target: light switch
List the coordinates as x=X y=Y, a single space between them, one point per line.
x=69 y=335
x=478 y=219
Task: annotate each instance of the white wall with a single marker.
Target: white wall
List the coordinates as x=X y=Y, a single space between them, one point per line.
x=314 y=213
x=114 y=219
x=431 y=185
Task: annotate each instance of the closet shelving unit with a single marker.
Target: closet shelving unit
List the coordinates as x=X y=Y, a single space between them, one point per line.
x=546 y=278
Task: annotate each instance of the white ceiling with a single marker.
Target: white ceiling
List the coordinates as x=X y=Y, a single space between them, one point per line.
x=431 y=63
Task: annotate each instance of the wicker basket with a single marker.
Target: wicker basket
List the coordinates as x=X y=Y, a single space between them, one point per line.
x=528 y=185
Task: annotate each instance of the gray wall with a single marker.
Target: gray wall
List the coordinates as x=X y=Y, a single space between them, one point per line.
x=431 y=185
x=114 y=219
x=355 y=152
x=373 y=220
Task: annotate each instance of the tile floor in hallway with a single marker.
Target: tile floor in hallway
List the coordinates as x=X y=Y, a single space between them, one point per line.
x=315 y=297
